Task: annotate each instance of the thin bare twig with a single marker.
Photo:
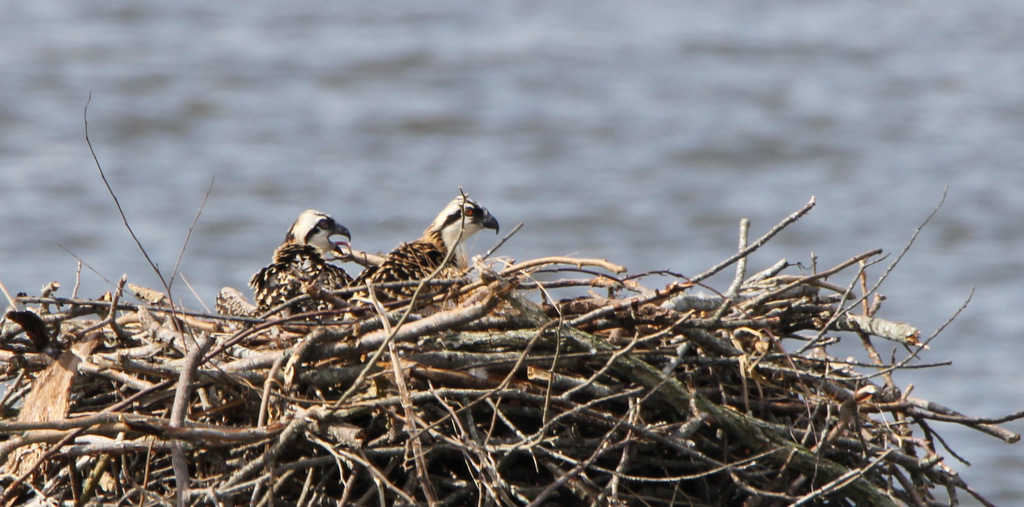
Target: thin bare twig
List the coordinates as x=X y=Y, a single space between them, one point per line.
x=757 y=244
x=184 y=244
x=120 y=210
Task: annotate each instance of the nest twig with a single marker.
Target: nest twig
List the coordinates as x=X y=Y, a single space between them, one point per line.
x=502 y=396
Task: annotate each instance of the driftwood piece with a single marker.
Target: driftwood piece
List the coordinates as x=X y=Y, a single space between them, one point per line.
x=49 y=400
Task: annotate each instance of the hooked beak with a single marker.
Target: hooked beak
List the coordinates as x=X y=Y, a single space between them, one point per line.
x=490 y=222
x=341 y=230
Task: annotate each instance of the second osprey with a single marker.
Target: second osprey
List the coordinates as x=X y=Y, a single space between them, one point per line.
x=416 y=260
x=300 y=260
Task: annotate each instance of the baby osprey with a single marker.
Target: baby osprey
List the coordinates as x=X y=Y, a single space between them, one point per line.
x=417 y=259
x=300 y=259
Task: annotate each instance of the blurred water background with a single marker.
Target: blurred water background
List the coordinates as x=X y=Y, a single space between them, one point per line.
x=638 y=132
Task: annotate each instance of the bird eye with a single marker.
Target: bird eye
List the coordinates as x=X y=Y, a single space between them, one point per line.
x=324 y=223
x=470 y=211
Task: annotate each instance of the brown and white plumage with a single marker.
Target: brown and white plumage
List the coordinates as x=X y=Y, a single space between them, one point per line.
x=230 y=301
x=415 y=260
x=300 y=260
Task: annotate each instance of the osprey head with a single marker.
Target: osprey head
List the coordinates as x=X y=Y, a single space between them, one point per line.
x=316 y=228
x=459 y=220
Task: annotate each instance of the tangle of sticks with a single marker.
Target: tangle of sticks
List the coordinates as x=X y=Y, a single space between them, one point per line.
x=550 y=382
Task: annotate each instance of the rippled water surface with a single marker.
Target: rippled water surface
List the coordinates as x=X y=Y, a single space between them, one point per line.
x=639 y=133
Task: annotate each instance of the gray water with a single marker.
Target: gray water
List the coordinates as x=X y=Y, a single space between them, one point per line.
x=637 y=132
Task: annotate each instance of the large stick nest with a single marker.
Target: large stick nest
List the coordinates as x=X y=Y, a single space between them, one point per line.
x=493 y=392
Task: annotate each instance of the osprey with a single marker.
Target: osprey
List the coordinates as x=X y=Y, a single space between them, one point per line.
x=300 y=260
x=415 y=260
